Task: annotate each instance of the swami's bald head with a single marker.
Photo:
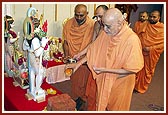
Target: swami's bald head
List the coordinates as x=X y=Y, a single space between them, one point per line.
x=113 y=14
x=80 y=13
x=80 y=8
x=154 y=17
x=113 y=21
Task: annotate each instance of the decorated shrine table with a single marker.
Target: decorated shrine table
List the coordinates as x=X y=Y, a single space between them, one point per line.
x=14 y=97
x=55 y=72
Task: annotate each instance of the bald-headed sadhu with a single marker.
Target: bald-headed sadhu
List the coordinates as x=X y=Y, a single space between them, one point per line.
x=78 y=33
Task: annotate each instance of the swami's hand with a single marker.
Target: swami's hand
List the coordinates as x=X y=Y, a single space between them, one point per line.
x=146 y=51
x=77 y=56
x=74 y=66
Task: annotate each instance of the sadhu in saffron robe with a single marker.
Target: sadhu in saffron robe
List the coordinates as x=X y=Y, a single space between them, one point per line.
x=151 y=35
x=78 y=38
x=123 y=51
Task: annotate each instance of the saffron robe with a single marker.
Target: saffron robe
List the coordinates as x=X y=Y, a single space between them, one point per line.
x=139 y=26
x=78 y=38
x=151 y=35
x=120 y=52
x=91 y=83
x=91 y=90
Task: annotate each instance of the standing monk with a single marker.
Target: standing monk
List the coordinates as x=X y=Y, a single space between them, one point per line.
x=78 y=33
x=114 y=58
x=152 y=39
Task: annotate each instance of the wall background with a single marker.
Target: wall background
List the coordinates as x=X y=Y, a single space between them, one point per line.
x=56 y=12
